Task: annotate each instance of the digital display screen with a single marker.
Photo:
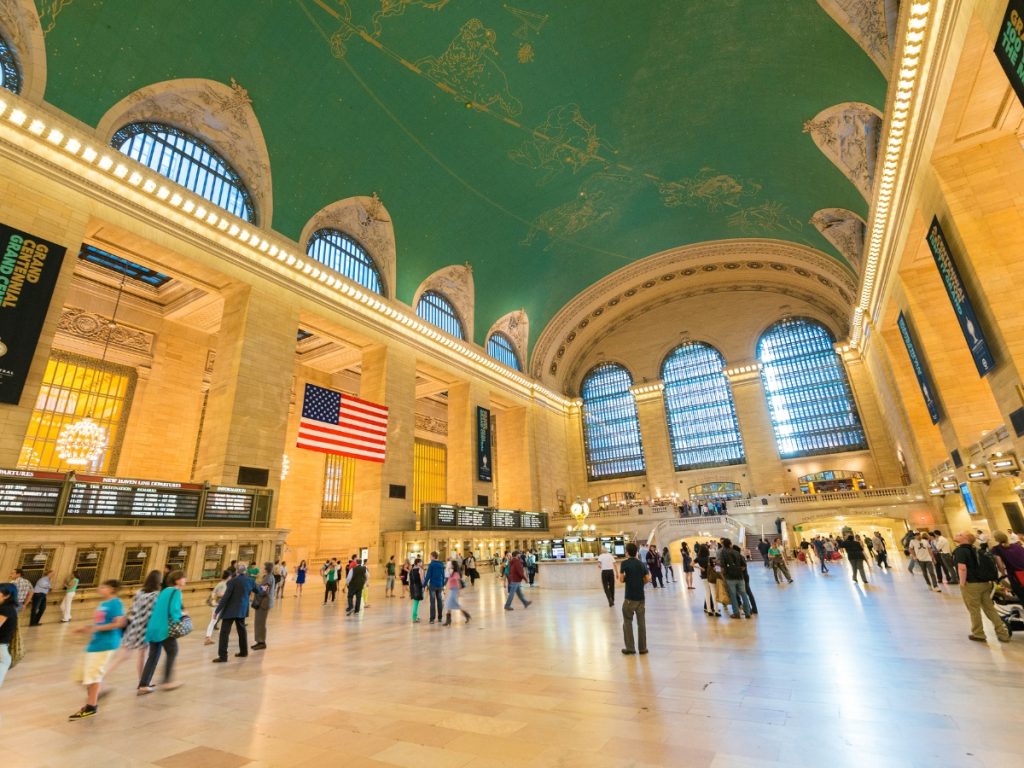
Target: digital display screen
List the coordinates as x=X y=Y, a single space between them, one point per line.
x=483 y=518
x=965 y=491
x=126 y=501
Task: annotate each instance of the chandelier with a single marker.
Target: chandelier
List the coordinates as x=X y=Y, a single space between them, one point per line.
x=81 y=443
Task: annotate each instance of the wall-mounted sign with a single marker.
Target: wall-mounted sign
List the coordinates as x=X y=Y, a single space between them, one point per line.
x=949 y=486
x=957 y=291
x=1009 y=45
x=483 y=444
x=28 y=272
x=965 y=491
x=1004 y=464
x=482 y=518
x=923 y=380
x=977 y=475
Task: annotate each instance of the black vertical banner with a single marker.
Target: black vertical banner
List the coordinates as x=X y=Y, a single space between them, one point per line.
x=28 y=273
x=483 y=444
x=1010 y=46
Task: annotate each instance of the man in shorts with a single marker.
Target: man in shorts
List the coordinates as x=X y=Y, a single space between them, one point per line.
x=108 y=621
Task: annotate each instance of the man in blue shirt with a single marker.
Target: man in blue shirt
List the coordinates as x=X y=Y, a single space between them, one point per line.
x=434 y=581
x=106 y=628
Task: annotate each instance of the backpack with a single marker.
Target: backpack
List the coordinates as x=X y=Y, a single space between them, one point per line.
x=987 y=568
x=733 y=568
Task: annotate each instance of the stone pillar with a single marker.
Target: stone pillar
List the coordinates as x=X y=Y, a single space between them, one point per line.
x=251 y=387
x=388 y=378
x=650 y=406
x=883 y=451
x=516 y=487
x=463 y=485
x=764 y=467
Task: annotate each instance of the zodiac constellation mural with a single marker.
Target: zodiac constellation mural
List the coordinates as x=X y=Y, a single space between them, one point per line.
x=565 y=140
x=709 y=189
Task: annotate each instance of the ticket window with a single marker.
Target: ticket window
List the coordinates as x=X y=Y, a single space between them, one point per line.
x=213 y=562
x=35 y=562
x=247 y=554
x=88 y=565
x=177 y=558
x=544 y=549
x=133 y=569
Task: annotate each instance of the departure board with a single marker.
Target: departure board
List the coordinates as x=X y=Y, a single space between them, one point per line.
x=224 y=503
x=24 y=493
x=482 y=518
x=128 y=500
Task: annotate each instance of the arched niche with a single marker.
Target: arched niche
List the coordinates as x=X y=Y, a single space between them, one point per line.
x=220 y=115
x=455 y=283
x=848 y=135
x=845 y=230
x=21 y=27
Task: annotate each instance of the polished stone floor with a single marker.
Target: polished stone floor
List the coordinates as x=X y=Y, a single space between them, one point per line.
x=828 y=674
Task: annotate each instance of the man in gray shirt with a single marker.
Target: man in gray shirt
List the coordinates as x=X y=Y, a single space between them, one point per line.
x=39 y=593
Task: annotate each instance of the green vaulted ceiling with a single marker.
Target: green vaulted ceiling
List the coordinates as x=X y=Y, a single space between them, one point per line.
x=544 y=143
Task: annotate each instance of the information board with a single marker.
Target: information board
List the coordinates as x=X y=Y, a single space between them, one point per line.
x=1009 y=46
x=33 y=497
x=482 y=518
x=224 y=503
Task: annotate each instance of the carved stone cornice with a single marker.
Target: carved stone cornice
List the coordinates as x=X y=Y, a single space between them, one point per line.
x=431 y=424
x=97 y=328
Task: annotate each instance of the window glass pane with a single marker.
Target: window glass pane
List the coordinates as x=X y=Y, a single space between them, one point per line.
x=611 y=428
x=186 y=160
x=809 y=397
x=10 y=76
x=437 y=310
x=500 y=347
x=702 y=424
x=339 y=487
x=341 y=253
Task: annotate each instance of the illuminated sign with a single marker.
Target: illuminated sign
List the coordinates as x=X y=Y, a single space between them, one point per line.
x=482 y=518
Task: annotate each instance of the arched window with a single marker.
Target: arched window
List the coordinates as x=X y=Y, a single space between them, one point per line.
x=500 y=347
x=809 y=397
x=437 y=310
x=702 y=425
x=343 y=254
x=186 y=160
x=611 y=427
x=10 y=76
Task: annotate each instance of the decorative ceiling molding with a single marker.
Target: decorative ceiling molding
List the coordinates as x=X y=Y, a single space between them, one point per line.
x=848 y=134
x=431 y=424
x=20 y=26
x=100 y=329
x=845 y=230
x=367 y=221
x=690 y=270
x=455 y=283
x=221 y=115
x=865 y=21
x=516 y=326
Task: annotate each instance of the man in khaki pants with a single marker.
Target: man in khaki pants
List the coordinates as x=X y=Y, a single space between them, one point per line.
x=977 y=576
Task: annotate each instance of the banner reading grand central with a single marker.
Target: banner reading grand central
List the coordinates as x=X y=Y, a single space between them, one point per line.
x=28 y=273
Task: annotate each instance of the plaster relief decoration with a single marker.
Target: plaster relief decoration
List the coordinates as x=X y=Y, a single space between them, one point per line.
x=367 y=221
x=219 y=114
x=99 y=329
x=455 y=283
x=22 y=28
x=709 y=188
x=764 y=218
x=865 y=22
x=848 y=135
x=845 y=230
x=516 y=326
x=566 y=140
x=431 y=424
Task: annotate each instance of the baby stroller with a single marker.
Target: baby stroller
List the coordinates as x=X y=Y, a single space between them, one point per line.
x=1009 y=607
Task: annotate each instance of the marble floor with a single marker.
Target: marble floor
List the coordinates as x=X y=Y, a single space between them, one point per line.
x=828 y=674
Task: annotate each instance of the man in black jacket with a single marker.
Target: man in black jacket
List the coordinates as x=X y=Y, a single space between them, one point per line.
x=855 y=554
x=233 y=609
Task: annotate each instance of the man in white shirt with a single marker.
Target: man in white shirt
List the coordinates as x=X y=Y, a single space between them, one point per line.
x=944 y=562
x=1014 y=538
x=921 y=551
x=608 y=575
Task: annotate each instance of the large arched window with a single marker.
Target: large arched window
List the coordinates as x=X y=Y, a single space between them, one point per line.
x=343 y=254
x=611 y=427
x=437 y=310
x=809 y=397
x=10 y=75
x=702 y=425
x=188 y=161
x=500 y=347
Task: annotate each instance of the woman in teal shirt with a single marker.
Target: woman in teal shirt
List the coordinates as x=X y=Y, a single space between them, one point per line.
x=778 y=562
x=166 y=611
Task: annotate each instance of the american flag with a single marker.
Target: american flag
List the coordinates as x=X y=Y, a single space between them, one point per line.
x=341 y=424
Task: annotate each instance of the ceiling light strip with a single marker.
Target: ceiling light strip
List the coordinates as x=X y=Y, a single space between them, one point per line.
x=903 y=102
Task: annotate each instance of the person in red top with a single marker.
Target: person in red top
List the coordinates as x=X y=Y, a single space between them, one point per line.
x=516 y=577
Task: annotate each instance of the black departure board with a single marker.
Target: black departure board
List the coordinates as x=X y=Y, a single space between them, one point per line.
x=482 y=518
x=130 y=501
x=29 y=498
x=224 y=503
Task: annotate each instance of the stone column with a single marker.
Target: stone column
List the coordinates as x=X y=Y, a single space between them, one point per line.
x=887 y=467
x=516 y=487
x=764 y=467
x=251 y=387
x=463 y=485
x=650 y=406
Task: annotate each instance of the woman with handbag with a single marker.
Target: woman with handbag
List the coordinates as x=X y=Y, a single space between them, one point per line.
x=166 y=624
x=134 y=638
x=705 y=566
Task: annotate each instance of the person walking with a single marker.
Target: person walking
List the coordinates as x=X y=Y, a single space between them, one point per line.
x=105 y=637
x=433 y=580
x=684 y=551
x=389 y=584
x=24 y=588
x=167 y=610
x=977 y=576
x=452 y=602
x=330 y=574
x=704 y=566
x=762 y=547
x=262 y=601
x=8 y=627
x=213 y=601
x=471 y=571
x=300 y=578
x=606 y=563
x=281 y=578
x=881 y=551
x=855 y=554
x=733 y=565
x=516 y=577
x=944 y=565
x=654 y=568
x=666 y=565
x=39 y=594
x=746 y=581
x=416 y=589
x=233 y=610
x=133 y=640
x=921 y=553
x=819 y=550
x=357 y=578
x=633 y=575
x=70 y=590
x=1010 y=557
x=778 y=559
x=403 y=576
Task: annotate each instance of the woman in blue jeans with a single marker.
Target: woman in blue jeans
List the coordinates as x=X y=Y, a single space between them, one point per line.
x=166 y=611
